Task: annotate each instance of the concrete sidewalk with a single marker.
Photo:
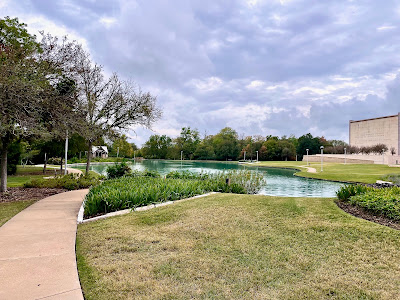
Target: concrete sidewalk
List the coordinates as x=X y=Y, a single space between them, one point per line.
x=37 y=250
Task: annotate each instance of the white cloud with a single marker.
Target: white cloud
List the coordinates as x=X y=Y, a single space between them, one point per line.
x=108 y=21
x=386 y=27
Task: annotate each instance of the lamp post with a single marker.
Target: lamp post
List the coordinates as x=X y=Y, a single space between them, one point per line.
x=307 y=155
x=345 y=160
x=134 y=155
x=322 y=158
x=117 y=152
x=66 y=152
x=181 y=155
x=383 y=156
x=244 y=156
x=257 y=155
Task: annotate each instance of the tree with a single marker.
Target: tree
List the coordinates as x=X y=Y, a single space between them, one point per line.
x=226 y=144
x=122 y=147
x=307 y=141
x=108 y=105
x=205 y=149
x=188 y=141
x=29 y=75
x=157 y=147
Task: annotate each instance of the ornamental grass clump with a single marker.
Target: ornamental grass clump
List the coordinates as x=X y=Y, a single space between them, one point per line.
x=142 y=188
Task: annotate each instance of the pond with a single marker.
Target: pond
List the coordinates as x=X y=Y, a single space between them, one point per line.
x=279 y=182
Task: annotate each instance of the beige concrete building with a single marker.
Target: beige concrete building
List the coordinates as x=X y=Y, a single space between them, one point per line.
x=369 y=132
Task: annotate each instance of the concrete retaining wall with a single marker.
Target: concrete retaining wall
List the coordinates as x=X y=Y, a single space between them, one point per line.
x=386 y=159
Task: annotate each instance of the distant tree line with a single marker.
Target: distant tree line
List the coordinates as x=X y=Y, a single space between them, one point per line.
x=227 y=145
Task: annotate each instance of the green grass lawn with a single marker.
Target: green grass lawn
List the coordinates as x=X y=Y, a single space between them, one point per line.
x=25 y=174
x=10 y=209
x=239 y=247
x=366 y=173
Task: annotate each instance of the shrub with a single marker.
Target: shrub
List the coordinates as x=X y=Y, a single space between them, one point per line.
x=384 y=202
x=69 y=182
x=118 y=170
x=347 y=191
x=379 y=201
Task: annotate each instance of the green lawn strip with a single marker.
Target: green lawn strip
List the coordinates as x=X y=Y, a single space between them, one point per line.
x=10 y=209
x=231 y=246
x=25 y=174
x=365 y=173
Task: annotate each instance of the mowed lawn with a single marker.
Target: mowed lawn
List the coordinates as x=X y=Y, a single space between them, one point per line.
x=10 y=209
x=366 y=173
x=27 y=173
x=229 y=246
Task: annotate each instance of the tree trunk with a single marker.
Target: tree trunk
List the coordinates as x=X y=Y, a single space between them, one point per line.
x=45 y=163
x=61 y=165
x=3 y=167
x=89 y=154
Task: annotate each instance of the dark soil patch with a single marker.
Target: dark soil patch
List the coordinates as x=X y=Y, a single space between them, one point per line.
x=359 y=212
x=21 y=194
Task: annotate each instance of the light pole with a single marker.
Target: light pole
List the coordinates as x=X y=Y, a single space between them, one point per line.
x=134 y=155
x=66 y=152
x=322 y=158
x=383 y=156
x=181 y=155
x=307 y=155
x=117 y=152
x=244 y=157
x=257 y=155
x=345 y=160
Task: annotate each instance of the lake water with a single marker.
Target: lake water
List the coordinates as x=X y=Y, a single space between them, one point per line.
x=279 y=182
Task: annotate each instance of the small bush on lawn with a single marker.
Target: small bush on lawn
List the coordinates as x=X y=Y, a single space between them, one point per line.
x=139 y=190
x=118 y=170
x=69 y=182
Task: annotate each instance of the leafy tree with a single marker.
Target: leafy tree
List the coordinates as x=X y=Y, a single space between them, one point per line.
x=188 y=141
x=122 y=147
x=307 y=141
x=29 y=75
x=272 y=150
x=205 y=149
x=226 y=145
x=157 y=147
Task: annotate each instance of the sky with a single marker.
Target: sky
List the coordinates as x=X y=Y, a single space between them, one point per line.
x=262 y=67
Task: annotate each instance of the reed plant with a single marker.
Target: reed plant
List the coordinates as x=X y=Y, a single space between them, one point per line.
x=139 y=189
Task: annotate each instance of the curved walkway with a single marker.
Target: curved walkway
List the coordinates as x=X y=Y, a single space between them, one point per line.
x=37 y=250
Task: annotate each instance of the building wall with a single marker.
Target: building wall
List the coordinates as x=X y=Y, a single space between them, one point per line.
x=370 y=132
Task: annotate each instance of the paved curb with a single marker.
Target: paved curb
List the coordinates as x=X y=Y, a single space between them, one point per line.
x=127 y=211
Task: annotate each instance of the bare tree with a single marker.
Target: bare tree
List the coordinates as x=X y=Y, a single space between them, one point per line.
x=109 y=105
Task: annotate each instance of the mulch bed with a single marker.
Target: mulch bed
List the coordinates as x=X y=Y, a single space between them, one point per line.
x=22 y=194
x=364 y=214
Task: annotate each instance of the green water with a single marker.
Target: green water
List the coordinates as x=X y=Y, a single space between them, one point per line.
x=279 y=182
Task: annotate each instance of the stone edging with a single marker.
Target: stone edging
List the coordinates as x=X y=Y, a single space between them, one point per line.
x=127 y=211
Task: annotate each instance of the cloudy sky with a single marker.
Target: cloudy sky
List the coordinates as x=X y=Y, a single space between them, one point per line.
x=259 y=66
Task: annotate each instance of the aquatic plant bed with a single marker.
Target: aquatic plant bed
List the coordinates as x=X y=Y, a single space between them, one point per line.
x=230 y=246
x=136 y=190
